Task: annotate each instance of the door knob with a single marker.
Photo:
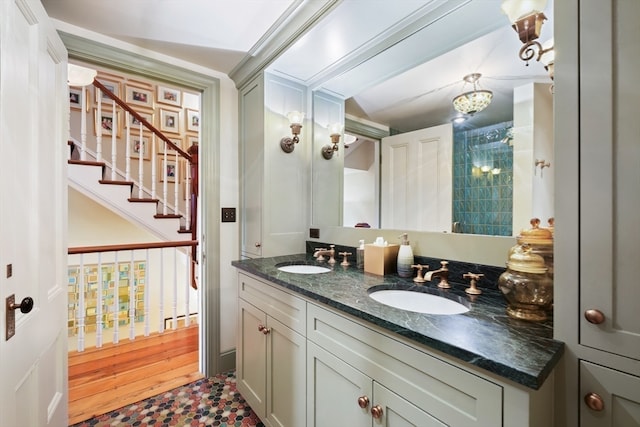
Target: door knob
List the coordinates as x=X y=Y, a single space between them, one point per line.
x=594 y=401
x=25 y=306
x=594 y=316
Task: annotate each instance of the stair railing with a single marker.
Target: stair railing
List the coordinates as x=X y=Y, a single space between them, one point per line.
x=191 y=157
x=130 y=289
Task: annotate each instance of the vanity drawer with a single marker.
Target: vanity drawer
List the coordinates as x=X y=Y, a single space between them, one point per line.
x=282 y=306
x=450 y=394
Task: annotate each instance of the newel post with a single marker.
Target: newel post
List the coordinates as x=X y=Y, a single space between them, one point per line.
x=193 y=152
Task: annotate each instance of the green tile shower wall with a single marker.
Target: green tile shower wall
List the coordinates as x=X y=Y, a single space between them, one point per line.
x=483 y=202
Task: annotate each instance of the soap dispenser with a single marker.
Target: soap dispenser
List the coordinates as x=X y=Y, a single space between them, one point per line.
x=405 y=257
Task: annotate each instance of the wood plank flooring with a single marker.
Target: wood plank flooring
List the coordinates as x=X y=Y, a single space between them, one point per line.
x=117 y=375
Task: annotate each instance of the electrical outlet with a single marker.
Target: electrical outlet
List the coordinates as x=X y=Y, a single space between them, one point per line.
x=314 y=233
x=228 y=214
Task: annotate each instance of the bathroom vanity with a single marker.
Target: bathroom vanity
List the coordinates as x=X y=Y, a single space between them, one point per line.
x=317 y=350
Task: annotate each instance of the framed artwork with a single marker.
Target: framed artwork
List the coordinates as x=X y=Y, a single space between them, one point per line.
x=170 y=96
x=140 y=147
x=168 y=169
x=112 y=85
x=105 y=121
x=135 y=123
x=171 y=151
x=169 y=121
x=193 y=120
x=75 y=98
x=139 y=96
x=191 y=140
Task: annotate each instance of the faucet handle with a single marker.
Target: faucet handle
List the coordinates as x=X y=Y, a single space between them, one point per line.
x=419 y=278
x=318 y=254
x=444 y=276
x=472 y=289
x=344 y=261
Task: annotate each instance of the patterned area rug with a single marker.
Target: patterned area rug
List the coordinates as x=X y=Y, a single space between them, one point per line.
x=207 y=402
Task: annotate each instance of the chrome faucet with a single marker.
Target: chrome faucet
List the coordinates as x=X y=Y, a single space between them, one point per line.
x=320 y=252
x=442 y=273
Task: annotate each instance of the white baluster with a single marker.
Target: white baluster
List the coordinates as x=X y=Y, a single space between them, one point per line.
x=116 y=302
x=187 y=192
x=174 y=303
x=164 y=181
x=141 y=163
x=127 y=149
x=83 y=123
x=176 y=185
x=99 y=313
x=80 y=311
x=161 y=305
x=187 y=320
x=154 y=166
x=114 y=145
x=147 y=291
x=132 y=300
x=98 y=125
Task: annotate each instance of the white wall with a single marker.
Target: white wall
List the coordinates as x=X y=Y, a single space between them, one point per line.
x=228 y=167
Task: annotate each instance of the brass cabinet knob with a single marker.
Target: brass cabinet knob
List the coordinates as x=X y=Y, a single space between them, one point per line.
x=261 y=327
x=363 y=402
x=258 y=244
x=594 y=401
x=376 y=412
x=266 y=331
x=594 y=316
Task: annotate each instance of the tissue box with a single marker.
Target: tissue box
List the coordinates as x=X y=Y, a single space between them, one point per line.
x=380 y=260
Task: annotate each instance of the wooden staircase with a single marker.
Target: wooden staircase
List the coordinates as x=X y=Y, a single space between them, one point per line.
x=116 y=375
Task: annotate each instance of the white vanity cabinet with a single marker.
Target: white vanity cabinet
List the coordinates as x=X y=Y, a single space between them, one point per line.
x=271 y=353
x=597 y=256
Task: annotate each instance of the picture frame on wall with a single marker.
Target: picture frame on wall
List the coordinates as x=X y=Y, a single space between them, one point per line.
x=140 y=147
x=191 y=140
x=169 y=121
x=112 y=85
x=105 y=121
x=139 y=96
x=168 y=169
x=135 y=123
x=170 y=151
x=193 y=120
x=169 y=96
x=75 y=98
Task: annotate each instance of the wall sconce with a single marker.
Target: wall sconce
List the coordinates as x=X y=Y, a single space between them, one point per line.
x=295 y=118
x=527 y=19
x=335 y=131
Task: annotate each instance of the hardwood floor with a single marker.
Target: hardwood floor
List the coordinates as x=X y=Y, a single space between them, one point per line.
x=116 y=375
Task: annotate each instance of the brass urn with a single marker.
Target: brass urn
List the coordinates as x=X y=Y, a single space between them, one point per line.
x=526 y=285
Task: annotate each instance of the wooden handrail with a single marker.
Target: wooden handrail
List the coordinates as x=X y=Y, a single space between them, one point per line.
x=130 y=247
x=138 y=117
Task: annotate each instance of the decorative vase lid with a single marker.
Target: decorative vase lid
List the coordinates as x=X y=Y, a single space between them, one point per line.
x=522 y=259
x=535 y=235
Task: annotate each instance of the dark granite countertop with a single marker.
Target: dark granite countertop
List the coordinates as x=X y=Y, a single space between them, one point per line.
x=520 y=351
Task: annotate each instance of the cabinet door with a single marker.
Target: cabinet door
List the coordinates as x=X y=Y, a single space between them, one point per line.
x=251 y=357
x=286 y=379
x=620 y=394
x=398 y=412
x=252 y=167
x=333 y=391
x=609 y=175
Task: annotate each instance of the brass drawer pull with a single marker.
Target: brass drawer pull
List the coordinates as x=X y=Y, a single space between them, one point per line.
x=594 y=316
x=594 y=401
x=363 y=402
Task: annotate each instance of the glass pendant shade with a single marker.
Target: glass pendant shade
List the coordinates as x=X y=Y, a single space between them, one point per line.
x=472 y=102
x=516 y=9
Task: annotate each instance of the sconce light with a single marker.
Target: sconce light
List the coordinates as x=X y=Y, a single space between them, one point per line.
x=335 y=131
x=527 y=19
x=286 y=143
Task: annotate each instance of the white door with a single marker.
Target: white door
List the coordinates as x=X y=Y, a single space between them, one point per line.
x=416 y=180
x=33 y=229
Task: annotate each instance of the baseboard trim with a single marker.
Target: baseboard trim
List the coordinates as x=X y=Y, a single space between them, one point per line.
x=228 y=361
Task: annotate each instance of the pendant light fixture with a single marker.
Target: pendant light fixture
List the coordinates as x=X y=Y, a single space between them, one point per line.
x=475 y=100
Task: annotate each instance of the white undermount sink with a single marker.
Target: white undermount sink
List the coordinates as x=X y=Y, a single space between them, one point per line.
x=304 y=269
x=418 y=302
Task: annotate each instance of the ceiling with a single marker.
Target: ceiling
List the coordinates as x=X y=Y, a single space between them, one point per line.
x=396 y=63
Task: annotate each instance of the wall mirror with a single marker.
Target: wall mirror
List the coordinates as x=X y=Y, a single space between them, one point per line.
x=402 y=69
x=483 y=185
